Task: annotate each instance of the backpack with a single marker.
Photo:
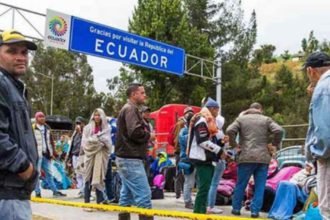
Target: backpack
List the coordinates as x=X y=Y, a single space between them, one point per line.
x=159 y=181
x=157 y=193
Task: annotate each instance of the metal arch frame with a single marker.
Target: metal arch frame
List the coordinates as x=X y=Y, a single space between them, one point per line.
x=212 y=73
x=210 y=70
x=17 y=10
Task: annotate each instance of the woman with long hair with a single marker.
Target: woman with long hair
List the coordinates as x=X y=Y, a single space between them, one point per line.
x=96 y=143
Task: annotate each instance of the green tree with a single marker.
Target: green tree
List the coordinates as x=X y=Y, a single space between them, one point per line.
x=268 y=52
x=74 y=92
x=167 y=21
x=325 y=46
x=244 y=42
x=310 y=45
x=264 y=55
x=199 y=13
x=118 y=85
x=286 y=55
x=257 y=58
x=292 y=101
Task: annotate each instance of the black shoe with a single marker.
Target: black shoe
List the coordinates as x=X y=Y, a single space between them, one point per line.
x=254 y=215
x=38 y=195
x=235 y=212
x=189 y=205
x=124 y=216
x=58 y=194
x=145 y=217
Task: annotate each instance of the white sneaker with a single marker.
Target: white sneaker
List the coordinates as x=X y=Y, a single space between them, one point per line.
x=214 y=210
x=79 y=196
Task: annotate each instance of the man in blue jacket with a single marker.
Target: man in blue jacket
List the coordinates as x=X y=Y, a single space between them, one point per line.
x=18 y=152
x=317 y=145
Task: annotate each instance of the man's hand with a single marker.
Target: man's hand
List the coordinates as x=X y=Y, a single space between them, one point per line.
x=223 y=155
x=226 y=139
x=310 y=88
x=27 y=173
x=152 y=136
x=237 y=149
x=272 y=149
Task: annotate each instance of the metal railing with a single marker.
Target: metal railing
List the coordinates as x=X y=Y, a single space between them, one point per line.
x=290 y=139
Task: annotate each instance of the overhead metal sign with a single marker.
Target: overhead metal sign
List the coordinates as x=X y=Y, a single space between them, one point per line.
x=80 y=35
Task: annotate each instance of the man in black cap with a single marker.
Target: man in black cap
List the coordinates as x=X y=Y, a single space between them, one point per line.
x=18 y=151
x=315 y=60
x=317 y=67
x=145 y=110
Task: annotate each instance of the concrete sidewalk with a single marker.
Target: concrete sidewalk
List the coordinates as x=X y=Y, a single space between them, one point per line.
x=44 y=211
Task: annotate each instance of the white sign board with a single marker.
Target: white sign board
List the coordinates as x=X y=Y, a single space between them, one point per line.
x=57 y=31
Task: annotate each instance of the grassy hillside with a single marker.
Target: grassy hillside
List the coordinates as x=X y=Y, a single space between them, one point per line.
x=269 y=70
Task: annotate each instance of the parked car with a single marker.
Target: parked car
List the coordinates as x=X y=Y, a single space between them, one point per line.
x=291 y=156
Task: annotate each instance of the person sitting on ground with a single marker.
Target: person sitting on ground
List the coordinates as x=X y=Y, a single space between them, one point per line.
x=62 y=147
x=161 y=161
x=289 y=192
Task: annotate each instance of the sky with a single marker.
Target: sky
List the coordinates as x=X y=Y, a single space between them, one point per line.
x=283 y=23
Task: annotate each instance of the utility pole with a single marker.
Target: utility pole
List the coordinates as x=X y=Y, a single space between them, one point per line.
x=218 y=81
x=52 y=89
x=52 y=94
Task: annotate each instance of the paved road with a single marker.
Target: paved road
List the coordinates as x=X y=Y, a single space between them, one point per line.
x=57 y=212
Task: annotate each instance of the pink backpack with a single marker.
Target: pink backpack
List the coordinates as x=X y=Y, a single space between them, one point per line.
x=159 y=181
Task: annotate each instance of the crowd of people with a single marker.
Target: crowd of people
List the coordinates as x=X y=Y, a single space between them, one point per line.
x=216 y=161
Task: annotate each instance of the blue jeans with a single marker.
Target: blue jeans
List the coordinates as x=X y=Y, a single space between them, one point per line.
x=218 y=171
x=45 y=165
x=135 y=188
x=286 y=197
x=244 y=172
x=15 y=209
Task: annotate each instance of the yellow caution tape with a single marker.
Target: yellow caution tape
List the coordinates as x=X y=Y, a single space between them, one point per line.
x=150 y=212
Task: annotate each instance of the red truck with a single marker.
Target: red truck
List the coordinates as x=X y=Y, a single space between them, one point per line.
x=163 y=120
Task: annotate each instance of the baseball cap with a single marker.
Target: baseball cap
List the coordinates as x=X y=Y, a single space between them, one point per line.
x=317 y=59
x=79 y=119
x=211 y=103
x=13 y=36
x=188 y=109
